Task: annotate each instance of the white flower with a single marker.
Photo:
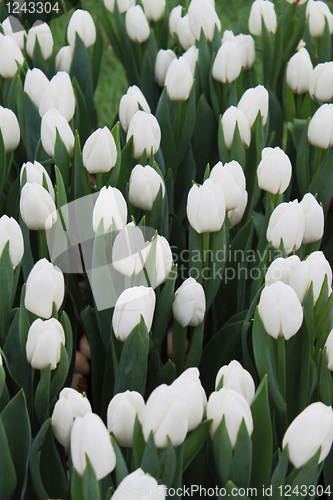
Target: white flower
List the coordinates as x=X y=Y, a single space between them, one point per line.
x=237 y=378
x=43 y=33
x=144 y=185
x=230 y=117
x=59 y=94
x=231 y=178
x=206 y=207
x=274 y=171
x=317 y=12
x=129 y=105
x=163 y=61
x=140 y=485
x=10 y=56
x=281 y=269
x=43 y=345
x=121 y=414
x=192 y=392
x=314 y=219
x=189 y=305
x=314 y=269
x=228 y=62
x=64 y=58
x=53 y=120
x=11 y=231
x=287 y=222
x=321 y=81
x=146 y=133
x=299 y=71
x=137 y=26
x=202 y=15
x=111 y=206
x=130 y=250
x=37 y=207
x=13 y=28
x=262 y=9
x=320 y=131
x=99 y=152
x=253 y=101
x=81 y=23
x=179 y=80
x=10 y=129
x=35 y=83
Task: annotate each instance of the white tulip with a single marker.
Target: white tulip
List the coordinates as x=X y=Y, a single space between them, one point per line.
x=252 y=102
x=133 y=303
x=262 y=9
x=59 y=94
x=37 y=207
x=64 y=58
x=144 y=185
x=45 y=285
x=163 y=61
x=247 y=49
x=10 y=129
x=281 y=269
x=129 y=105
x=329 y=351
x=236 y=215
x=43 y=345
x=321 y=81
x=237 y=378
x=287 y=222
x=320 y=131
x=35 y=172
x=179 y=80
x=146 y=133
x=140 y=485
x=154 y=9
x=317 y=12
x=314 y=219
x=228 y=62
x=11 y=231
x=111 y=206
x=202 y=15
x=274 y=170
x=10 y=56
x=35 y=83
x=123 y=5
x=13 y=28
x=312 y=270
x=53 y=120
x=280 y=310
x=189 y=304
x=137 y=26
x=43 y=33
x=231 y=178
x=191 y=57
x=81 y=23
x=234 y=408
x=206 y=207
x=121 y=413
x=99 y=153
x=230 y=117
x=192 y=392
x=71 y=404
x=130 y=250
x=299 y=71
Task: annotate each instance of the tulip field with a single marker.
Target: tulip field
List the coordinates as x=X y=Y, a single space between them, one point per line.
x=166 y=306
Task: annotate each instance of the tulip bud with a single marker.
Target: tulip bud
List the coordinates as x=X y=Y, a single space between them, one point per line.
x=234 y=408
x=179 y=80
x=189 y=304
x=247 y=49
x=129 y=105
x=181 y=26
x=192 y=392
x=299 y=71
x=253 y=101
x=237 y=378
x=262 y=9
x=121 y=414
x=10 y=129
x=59 y=94
x=175 y=15
x=154 y=9
x=44 y=35
x=111 y=206
x=140 y=485
x=11 y=231
x=35 y=172
x=146 y=133
x=35 y=84
x=13 y=28
x=191 y=57
x=281 y=269
x=274 y=170
x=37 y=207
x=310 y=430
x=329 y=351
x=206 y=207
x=280 y=310
x=230 y=117
x=133 y=303
x=45 y=285
x=64 y=58
x=228 y=62
x=144 y=184
x=321 y=81
x=202 y=15
x=10 y=56
x=71 y=404
x=163 y=61
x=314 y=219
x=90 y=437
x=287 y=222
x=235 y=216
x=137 y=26
x=232 y=180
x=314 y=269
x=99 y=152
x=81 y=23
x=317 y=12
x=52 y=120
x=130 y=250
x=123 y=5
x=165 y=414
x=43 y=345
x=163 y=262
x=320 y=132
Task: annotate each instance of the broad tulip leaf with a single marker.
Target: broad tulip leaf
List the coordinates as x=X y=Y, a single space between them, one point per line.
x=42 y=396
x=81 y=118
x=277 y=55
x=81 y=180
x=306 y=475
x=15 y=421
x=81 y=70
x=195 y=254
x=115 y=171
x=232 y=490
x=76 y=486
x=204 y=58
x=163 y=308
x=133 y=364
x=59 y=375
x=223 y=151
x=168 y=463
x=148 y=85
x=222 y=451
x=279 y=474
x=32 y=126
x=321 y=184
x=150 y=460
x=241 y=463
x=168 y=145
x=166 y=375
x=194 y=441
x=125 y=166
x=139 y=444
x=324 y=53
x=61 y=159
x=267 y=52
x=288 y=101
x=182 y=185
x=262 y=439
x=187 y=126
x=324 y=382
x=237 y=151
x=6 y=285
x=97 y=56
x=328 y=470
x=219 y=243
x=90 y=484
x=8 y=479
x=121 y=467
x=195 y=352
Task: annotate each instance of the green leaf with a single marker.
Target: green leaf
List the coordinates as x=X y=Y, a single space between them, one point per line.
x=267 y=52
x=237 y=151
x=121 y=467
x=288 y=101
x=187 y=126
x=133 y=364
x=168 y=463
x=279 y=474
x=204 y=58
x=241 y=463
x=223 y=151
x=195 y=251
x=324 y=53
x=90 y=485
x=97 y=56
x=76 y=486
x=15 y=421
x=81 y=179
x=195 y=352
x=222 y=450
x=113 y=179
x=166 y=375
x=168 y=145
x=150 y=461
x=6 y=285
x=81 y=69
x=262 y=439
x=302 y=163
x=42 y=397
x=219 y=243
x=322 y=182
x=139 y=444
x=8 y=479
x=148 y=85
x=61 y=158
x=32 y=126
x=163 y=308
x=194 y=441
x=306 y=475
x=82 y=118
x=125 y=166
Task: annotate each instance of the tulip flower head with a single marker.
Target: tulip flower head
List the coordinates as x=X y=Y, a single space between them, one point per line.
x=237 y=378
x=274 y=171
x=206 y=207
x=299 y=71
x=81 y=23
x=43 y=345
x=121 y=413
x=287 y=222
x=11 y=231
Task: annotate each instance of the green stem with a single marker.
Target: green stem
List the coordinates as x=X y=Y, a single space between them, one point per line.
x=317 y=159
x=43 y=251
x=225 y=97
x=205 y=259
x=282 y=366
x=299 y=103
x=178 y=346
x=99 y=181
x=180 y=110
